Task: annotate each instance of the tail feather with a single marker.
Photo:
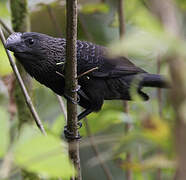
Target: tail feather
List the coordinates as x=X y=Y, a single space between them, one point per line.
x=154 y=80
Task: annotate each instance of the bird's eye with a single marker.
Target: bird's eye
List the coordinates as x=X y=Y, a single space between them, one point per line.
x=30 y=41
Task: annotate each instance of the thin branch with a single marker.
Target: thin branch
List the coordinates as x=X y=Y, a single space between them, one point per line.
x=83 y=26
x=63 y=109
x=87 y=72
x=96 y=151
x=159 y=91
x=79 y=76
x=9 y=31
x=71 y=83
x=60 y=74
x=23 y=88
x=6 y=165
x=121 y=18
x=54 y=20
x=125 y=103
x=60 y=63
x=160 y=106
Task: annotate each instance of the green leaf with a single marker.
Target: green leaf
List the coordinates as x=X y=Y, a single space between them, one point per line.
x=147 y=37
x=4 y=97
x=99 y=122
x=58 y=125
x=157 y=161
x=4 y=132
x=142 y=17
x=94 y=8
x=3 y=10
x=5 y=67
x=45 y=155
x=143 y=43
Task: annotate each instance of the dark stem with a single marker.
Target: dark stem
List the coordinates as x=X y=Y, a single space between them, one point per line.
x=62 y=106
x=71 y=83
x=121 y=18
x=84 y=28
x=54 y=20
x=8 y=30
x=125 y=103
x=160 y=106
x=96 y=151
x=23 y=88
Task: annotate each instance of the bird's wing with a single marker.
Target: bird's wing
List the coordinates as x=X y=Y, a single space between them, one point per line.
x=117 y=67
x=91 y=56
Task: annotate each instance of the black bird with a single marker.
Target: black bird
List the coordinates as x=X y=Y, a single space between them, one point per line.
x=43 y=57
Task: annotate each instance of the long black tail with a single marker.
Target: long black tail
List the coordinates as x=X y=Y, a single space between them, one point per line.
x=154 y=80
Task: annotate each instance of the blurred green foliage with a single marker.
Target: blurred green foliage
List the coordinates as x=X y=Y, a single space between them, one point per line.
x=150 y=140
x=46 y=155
x=3 y=9
x=4 y=64
x=4 y=132
x=5 y=68
x=95 y=8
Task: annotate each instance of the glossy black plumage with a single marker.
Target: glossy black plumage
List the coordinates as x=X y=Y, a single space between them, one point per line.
x=42 y=56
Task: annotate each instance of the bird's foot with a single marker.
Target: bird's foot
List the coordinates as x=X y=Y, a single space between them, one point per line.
x=71 y=99
x=77 y=89
x=70 y=136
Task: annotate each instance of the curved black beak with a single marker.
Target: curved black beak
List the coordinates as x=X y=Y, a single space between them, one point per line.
x=13 y=41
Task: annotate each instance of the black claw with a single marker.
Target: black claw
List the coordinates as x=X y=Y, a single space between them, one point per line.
x=69 y=135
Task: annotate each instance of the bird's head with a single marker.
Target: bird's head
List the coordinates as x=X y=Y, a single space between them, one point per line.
x=25 y=42
x=34 y=46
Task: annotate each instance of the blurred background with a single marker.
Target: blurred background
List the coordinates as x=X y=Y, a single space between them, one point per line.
x=138 y=143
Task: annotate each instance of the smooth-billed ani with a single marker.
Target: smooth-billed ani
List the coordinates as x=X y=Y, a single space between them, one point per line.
x=42 y=56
